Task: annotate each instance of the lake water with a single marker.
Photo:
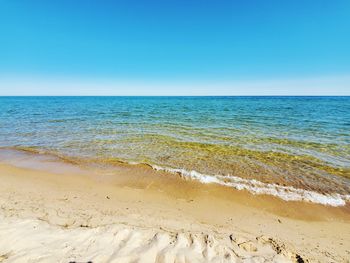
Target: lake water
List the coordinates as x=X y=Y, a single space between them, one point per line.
x=297 y=148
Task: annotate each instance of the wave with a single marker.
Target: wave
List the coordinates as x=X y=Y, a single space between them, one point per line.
x=287 y=193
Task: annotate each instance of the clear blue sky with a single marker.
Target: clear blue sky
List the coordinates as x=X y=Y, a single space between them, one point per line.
x=173 y=41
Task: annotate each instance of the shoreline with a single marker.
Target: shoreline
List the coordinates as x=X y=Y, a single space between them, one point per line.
x=51 y=161
x=85 y=201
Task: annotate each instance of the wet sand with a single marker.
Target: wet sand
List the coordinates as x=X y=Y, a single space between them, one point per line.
x=53 y=211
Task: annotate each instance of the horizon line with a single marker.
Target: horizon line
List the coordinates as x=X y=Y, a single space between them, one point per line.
x=174 y=96
x=333 y=85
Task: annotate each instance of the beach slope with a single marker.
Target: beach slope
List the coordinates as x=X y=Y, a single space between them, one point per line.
x=48 y=216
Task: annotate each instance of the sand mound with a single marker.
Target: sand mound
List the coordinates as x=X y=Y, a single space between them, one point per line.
x=29 y=240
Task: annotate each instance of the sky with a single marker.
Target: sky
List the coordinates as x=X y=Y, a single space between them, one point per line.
x=168 y=47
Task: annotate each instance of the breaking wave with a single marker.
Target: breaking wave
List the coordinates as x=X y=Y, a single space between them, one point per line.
x=287 y=193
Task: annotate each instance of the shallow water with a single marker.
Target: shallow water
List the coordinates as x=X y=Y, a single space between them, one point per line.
x=298 y=142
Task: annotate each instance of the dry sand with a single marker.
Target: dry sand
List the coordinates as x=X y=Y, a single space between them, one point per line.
x=134 y=214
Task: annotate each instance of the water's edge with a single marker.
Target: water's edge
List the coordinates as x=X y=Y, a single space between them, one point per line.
x=253 y=186
x=287 y=193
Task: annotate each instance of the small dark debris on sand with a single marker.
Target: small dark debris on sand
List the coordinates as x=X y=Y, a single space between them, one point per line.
x=299 y=259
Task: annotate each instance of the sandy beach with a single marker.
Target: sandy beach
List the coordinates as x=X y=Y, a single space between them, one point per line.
x=174 y=131
x=52 y=211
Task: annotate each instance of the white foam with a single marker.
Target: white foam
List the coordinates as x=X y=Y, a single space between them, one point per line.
x=287 y=193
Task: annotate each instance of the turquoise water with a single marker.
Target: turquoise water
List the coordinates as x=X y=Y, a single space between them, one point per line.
x=299 y=142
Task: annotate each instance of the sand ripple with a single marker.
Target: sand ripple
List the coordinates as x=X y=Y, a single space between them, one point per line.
x=39 y=241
